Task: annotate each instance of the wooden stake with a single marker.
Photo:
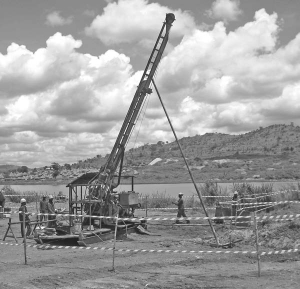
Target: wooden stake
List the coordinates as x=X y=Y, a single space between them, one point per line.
x=115 y=238
x=24 y=237
x=193 y=200
x=257 y=246
x=146 y=206
x=90 y=206
x=36 y=202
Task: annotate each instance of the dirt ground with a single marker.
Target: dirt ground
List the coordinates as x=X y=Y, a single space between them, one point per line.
x=74 y=269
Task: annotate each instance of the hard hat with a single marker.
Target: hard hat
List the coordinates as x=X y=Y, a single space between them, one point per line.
x=235 y=193
x=180 y=194
x=50 y=197
x=23 y=200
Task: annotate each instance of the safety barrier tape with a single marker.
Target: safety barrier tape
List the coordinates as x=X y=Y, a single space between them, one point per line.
x=171 y=219
x=158 y=209
x=273 y=217
x=260 y=196
x=21 y=196
x=19 y=207
x=247 y=205
x=150 y=197
x=132 y=219
x=229 y=196
x=274 y=252
x=259 y=203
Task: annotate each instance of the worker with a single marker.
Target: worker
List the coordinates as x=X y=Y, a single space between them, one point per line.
x=234 y=205
x=23 y=211
x=43 y=208
x=235 y=196
x=51 y=210
x=180 y=205
x=2 y=198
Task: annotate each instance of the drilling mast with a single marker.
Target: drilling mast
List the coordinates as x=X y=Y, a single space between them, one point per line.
x=102 y=184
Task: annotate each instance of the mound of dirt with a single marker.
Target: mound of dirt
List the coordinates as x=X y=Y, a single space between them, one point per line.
x=231 y=236
x=279 y=236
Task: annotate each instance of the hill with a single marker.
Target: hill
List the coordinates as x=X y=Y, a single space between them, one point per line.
x=5 y=168
x=270 y=153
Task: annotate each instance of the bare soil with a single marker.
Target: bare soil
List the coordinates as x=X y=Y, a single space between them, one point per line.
x=73 y=268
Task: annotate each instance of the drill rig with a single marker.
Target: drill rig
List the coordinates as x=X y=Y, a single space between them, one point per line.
x=92 y=194
x=101 y=186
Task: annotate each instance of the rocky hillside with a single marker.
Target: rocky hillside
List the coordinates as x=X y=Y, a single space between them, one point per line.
x=270 y=153
x=275 y=140
x=266 y=153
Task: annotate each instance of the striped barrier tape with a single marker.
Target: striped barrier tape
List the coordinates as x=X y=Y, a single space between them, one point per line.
x=274 y=252
x=260 y=196
x=229 y=196
x=19 y=207
x=166 y=218
x=158 y=209
x=260 y=203
x=283 y=217
x=21 y=196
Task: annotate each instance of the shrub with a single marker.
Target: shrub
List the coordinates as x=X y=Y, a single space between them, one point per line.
x=210 y=188
x=15 y=197
x=158 y=200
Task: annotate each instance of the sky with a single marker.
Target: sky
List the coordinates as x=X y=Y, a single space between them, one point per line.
x=69 y=70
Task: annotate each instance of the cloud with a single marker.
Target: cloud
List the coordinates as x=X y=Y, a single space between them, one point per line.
x=128 y=21
x=57 y=93
x=26 y=72
x=55 y=19
x=226 y=10
x=229 y=77
x=58 y=104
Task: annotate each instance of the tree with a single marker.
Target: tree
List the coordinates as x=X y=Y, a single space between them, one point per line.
x=23 y=169
x=56 y=168
x=67 y=167
x=55 y=174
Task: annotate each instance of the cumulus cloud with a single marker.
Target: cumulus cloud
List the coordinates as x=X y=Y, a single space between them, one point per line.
x=57 y=93
x=226 y=10
x=59 y=104
x=55 y=19
x=231 y=74
x=25 y=72
x=128 y=21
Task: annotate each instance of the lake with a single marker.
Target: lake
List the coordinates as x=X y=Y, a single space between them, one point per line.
x=144 y=189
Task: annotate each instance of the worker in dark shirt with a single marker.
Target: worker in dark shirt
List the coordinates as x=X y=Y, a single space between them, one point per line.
x=180 y=205
x=51 y=211
x=234 y=203
x=2 y=198
x=43 y=208
x=24 y=213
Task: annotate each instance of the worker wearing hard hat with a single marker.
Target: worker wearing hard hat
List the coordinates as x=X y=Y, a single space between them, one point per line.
x=235 y=196
x=51 y=211
x=180 y=206
x=43 y=208
x=23 y=213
